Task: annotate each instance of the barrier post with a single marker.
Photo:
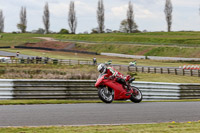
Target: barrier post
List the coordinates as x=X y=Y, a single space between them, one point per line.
x=154 y=69
x=142 y=69
x=198 y=73
x=175 y=71
x=69 y=62
x=183 y=72
x=168 y=72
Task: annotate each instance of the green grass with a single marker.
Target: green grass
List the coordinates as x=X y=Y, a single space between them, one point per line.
x=57 y=71
x=166 y=78
x=29 y=102
x=165 y=51
x=187 y=127
x=165 y=38
x=32 y=102
x=152 y=43
x=10 y=39
x=43 y=71
x=100 y=59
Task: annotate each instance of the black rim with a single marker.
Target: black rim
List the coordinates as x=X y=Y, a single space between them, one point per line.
x=138 y=95
x=106 y=94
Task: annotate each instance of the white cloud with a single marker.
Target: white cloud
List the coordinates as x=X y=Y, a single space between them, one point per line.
x=186 y=3
x=119 y=11
x=139 y=11
x=59 y=9
x=84 y=8
x=142 y=12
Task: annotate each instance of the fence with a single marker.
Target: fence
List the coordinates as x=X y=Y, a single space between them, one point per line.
x=84 y=89
x=176 y=71
x=46 y=61
x=144 y=69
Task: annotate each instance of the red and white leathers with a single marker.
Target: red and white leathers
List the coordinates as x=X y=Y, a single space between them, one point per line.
x=113 y=72
x=110 y=71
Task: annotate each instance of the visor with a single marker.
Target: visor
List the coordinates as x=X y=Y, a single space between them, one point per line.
x=101 y=70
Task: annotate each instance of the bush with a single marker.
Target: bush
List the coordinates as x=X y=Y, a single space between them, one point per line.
x=64 y=31
x=2 y=71
x=39 y=31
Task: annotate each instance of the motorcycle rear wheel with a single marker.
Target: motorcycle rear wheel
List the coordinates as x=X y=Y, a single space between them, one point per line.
x=136 y=98
x=106 y=94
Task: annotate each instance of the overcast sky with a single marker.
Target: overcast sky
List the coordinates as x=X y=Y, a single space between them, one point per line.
x=149 y=14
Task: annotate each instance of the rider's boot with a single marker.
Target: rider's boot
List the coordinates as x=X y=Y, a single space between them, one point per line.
x=128 y=90
x=127 y=87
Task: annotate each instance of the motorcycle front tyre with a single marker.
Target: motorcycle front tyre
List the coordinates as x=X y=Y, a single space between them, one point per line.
x=137 y=98
x=105 y=97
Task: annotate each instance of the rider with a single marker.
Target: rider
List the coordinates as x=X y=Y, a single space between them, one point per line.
x=112 y=73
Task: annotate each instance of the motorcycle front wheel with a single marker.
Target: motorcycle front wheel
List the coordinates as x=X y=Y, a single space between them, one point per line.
x=136 y=97
x=106 y=94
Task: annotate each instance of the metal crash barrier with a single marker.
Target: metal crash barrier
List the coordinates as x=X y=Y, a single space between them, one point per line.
x=85 y=90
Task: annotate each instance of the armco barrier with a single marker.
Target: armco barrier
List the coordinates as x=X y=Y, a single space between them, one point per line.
x=161 y=70
x=151 y=57
x=84 y=89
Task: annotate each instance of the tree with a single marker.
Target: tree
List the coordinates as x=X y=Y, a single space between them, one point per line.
x=40 y=31
x=46 y=17
x=64 y=31
x=1 y=21
x=109 y=31
x=95 y=30
x=168 y=14
x=199 y=9
x=100 y=16
x=23 y=21
x=130 y=18
x=72 y=20
x=124 y=27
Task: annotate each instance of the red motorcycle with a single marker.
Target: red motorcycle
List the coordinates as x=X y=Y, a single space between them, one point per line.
x=109 y=89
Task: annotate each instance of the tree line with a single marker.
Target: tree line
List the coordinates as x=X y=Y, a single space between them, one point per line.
x=127 y=25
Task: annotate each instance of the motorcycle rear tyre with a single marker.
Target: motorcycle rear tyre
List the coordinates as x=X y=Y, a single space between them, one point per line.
x=103 y=97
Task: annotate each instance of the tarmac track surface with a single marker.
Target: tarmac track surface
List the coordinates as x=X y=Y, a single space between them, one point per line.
x=98 y=113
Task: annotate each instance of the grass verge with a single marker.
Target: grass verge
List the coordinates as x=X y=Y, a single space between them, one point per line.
x=152 y=38
x=173 y=127
x=32 y=102
x=100 y=58
x=47 y=71
x=145 y=50
x=151 y=43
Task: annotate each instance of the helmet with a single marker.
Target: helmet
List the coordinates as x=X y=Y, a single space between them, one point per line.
x=101 y=68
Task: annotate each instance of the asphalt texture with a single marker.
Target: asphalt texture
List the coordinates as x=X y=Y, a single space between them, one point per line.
x=3 y=53
x=98 y=113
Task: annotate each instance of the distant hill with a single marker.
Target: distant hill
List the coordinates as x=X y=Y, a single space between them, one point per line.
x=178 y=44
